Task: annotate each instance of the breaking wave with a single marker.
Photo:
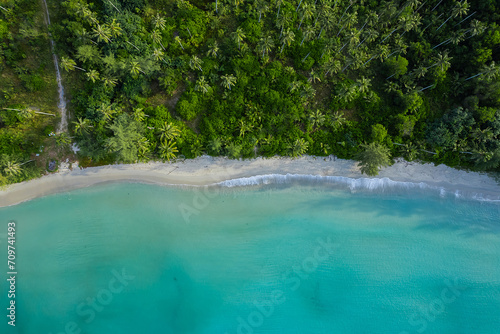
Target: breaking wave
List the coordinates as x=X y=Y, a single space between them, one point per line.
x=372 y=185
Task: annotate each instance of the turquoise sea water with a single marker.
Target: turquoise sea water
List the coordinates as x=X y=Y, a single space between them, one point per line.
x=289 y=258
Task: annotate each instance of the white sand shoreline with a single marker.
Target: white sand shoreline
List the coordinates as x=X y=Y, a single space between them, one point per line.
x=208 y=170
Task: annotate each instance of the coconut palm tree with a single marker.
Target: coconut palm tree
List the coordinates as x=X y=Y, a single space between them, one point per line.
x=82 y=125
x=115 y=29
x=443 y=61
x=278 y=2
x=337 y=120
x=143 y=149
x=306 y=12
x=233 y=150
x=308 y=34
x=69 y=64
x=313 y=77
x=261 y=7
x=238 y=36
x=213 y=49
x=158 y=54
x=178 y=40
x=102 y=32
x=283 y=21
x=332 y=66
x=12 y=168
x=265 y=45
x=363 y=84
x=168 y=132
x=109 y=81
x=215 y=145
x=460 y=9
x=168 y=150
x=298 y=148
x=202 y=85
x=228 y=81
x=420 y=71
x=288 y=38
x=316 y=118
x=195 y=63
x=135 y=68
x=159 y=22
x=139 y=114
x=157 y=38
x=108 y=111
x=92 y=75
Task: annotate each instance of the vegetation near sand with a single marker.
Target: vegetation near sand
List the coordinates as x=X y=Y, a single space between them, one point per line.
x=159 y=79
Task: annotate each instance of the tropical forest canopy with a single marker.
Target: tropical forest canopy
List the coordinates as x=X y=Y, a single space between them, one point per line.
x=163 y=79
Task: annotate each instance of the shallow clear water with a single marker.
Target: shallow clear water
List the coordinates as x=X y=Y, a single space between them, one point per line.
x=137 y=258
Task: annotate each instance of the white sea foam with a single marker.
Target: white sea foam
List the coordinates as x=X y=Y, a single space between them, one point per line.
x=379 y=185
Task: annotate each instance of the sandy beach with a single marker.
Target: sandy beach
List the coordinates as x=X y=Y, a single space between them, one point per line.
x=209 y=170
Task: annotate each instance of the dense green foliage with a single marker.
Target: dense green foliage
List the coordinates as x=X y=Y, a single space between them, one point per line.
x=246 y=78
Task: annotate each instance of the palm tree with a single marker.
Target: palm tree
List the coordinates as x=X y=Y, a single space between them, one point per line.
x=363 y=84
x=158 y=54
x=477 y=27
x=195 y=63
x=139 y=115
x=215 y=145
x=234 y=150
x=332 y=66
x=228 y=81
x=461 y=8
x=115 y=28
x=109 y=81
x=238 y=36
x=159 y=22
x=168 y=150
x=337 y=120
x=288 y=38
x=265 y=45
x=102 y=32
x=261 y=6
x=143 y=148
x=372 y=158
x=135 y=68
x=316 y=118
x=82 y=125
x=178 y=40
x=283 y=21
x=307 y=12
x=12 y=168
x=298 y=148
x=93 y=75
x=326 y=22
x=69 y=64
x=107 y=111
x=278 y=2
x=213 y=49
x=168 y=132
x=308 y=34
x=420 y=71
x=443 y=61
x=157 y=37
x=491 y=71
x=202 y=85
x=313 y=77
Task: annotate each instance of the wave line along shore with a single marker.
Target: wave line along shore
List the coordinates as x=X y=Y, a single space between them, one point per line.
x=207 y=170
